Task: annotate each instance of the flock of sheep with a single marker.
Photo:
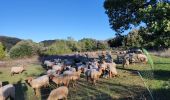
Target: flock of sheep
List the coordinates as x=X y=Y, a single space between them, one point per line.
x=66 y=72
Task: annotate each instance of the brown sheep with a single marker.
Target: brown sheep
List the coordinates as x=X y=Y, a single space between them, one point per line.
x=37 y=83
x=60 y=80
x=112 y=69
x=142 y=58
x=59 y=93
x=93 y=74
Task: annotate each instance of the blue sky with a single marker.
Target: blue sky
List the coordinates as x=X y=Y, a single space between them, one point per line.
x=54 y=19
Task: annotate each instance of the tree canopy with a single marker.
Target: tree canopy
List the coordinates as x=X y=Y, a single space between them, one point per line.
x=123 y=14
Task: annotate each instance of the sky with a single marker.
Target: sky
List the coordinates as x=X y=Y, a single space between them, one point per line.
x=54 y=19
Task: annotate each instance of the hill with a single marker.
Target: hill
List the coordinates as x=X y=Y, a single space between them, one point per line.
x=8 y=42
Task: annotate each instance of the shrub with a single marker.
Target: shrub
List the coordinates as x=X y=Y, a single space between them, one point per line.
x=25 y=48
x=102 y=45
x=88 y=44
x=2 y=52
x=59 y=47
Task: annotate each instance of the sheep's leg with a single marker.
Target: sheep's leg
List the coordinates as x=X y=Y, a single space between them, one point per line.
x=12 y=74
x=87 y=78
x=73 y=83
x=65 y=98
x=94 y=82
x=38 y=92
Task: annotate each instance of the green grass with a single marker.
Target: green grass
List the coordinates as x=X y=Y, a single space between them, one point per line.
x=127 y=86
x=158 y=79
x=22 y=89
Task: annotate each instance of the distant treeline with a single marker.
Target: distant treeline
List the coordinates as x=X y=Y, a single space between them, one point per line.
x=17 y=48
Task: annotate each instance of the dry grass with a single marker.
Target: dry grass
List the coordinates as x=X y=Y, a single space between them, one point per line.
x=165 y=53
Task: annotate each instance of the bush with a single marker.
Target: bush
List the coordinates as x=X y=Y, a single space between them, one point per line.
x=2 y=52
x=59 y=47
x=25 y=48
x=102 y=45
x=88 y=44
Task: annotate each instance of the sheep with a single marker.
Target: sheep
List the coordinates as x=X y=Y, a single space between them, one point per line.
x=7 y=91
x=112 y=69
x=48 y=63
x=74 y=76
x=59 y=93
x=52 y=72
x=93 y=74
x=37 y=83
x=57 y=68
x=16 y=70
x=62 y=79
x=142 y=58
x=125 y=62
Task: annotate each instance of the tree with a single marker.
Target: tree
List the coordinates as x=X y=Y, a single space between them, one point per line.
x=102 y=45
x=133 y=39
x=123 y=14
x=117 y=41
x=88 y=44
x=25 y=48
x=2 y=52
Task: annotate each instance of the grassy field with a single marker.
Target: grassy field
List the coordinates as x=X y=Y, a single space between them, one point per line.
x=128 y=86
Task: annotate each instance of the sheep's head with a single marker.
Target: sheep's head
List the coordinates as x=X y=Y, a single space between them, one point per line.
x=82 y=69
x=51 y=77
x=29 y=79
x=24 y=68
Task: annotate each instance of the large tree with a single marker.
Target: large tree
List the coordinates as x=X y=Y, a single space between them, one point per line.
x=123 y=14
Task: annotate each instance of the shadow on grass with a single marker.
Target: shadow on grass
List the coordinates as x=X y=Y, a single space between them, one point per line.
x=20 y=89
x=161 y=63
x=161 y=94
x=156 y=74
x=105 y=90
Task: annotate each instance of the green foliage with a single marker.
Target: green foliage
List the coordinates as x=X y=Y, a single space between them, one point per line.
x=133 y=39
x=157 y=19
x=59 y=47
x=124 y=14
x=88 y=44
x=2 y=52
x=70 y=45
x=102 y=45
x=117 y=41
x=24 y=49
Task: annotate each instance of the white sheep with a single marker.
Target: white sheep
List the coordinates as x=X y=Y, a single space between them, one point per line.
x=48 y=63
x=59 y=93
x=37 y=83
x=17 y=70
x=7 y=91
